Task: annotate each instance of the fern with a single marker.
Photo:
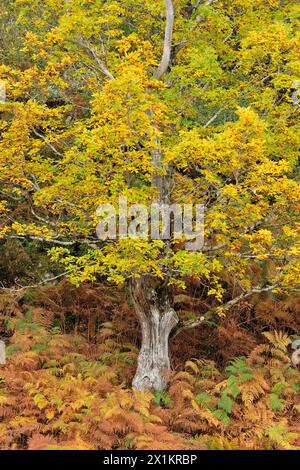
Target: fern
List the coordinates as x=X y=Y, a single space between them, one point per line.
x=278 y=339
x=63 y=391
x=280 y=437
x=163 y=398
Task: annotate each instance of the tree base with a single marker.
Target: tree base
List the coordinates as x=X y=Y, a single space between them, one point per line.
x=157 y=319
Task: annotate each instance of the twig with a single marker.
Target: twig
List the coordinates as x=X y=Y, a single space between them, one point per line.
x=46 y=141
x=93 y=52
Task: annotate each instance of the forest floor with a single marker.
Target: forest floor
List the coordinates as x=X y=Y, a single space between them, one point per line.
x=71 y=357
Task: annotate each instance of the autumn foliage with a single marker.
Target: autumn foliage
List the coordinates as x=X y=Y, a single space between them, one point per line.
x=176 y=101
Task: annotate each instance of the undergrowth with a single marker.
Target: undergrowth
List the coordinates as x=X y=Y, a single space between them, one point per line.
x=60 y=390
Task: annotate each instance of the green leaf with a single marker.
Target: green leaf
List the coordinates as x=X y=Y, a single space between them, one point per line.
x=204 y=398
x=234 y=391
x=225 y=404
x=13 y=348
x=276 y=403
x=222 y=416
x=278 y=388
x=40 y=347
x=163 y=398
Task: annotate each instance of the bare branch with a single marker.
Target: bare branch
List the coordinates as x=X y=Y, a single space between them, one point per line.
x=213 y=118
x=42 y=219
x=190 y=324
x=166 y=56
x=93 y=53
x=44 y=281
x=46 y=142
x=246 y=294
x=43 y=240
x=56 y=241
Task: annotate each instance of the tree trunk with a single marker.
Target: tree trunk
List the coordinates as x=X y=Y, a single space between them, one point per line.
x=157 y=319
x=152 y=304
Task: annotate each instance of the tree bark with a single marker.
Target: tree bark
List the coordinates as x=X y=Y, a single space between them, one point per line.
x=157 y=319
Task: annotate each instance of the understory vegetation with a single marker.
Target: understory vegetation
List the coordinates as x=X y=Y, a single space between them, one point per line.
x=72 y=355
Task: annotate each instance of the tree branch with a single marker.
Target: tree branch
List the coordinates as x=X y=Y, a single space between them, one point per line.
x=166 y=56
x=41 y=283
x=190 y=324
x=54 y=241
x=46 y=141
x=42 y=219
x=93 y=53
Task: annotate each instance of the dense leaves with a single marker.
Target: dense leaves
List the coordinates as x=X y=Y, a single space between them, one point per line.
x=84 y=114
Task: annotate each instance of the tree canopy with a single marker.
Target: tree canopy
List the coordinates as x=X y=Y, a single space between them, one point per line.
x=87 y=105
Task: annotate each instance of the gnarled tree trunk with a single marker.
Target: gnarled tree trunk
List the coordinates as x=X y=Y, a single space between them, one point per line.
x=157 y=319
